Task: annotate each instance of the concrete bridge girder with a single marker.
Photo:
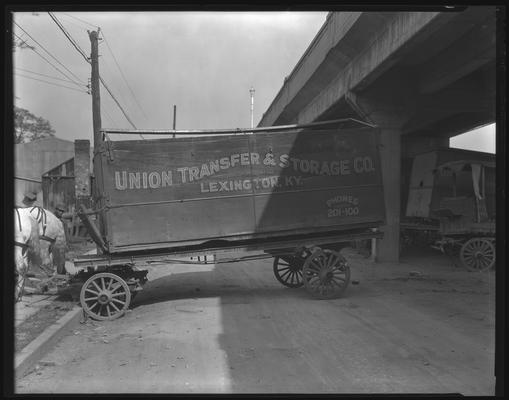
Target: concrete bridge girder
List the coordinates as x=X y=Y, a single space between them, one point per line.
x=475 y=49
x=374 y=60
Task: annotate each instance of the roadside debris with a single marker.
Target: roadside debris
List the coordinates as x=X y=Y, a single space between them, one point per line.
x=47 y=363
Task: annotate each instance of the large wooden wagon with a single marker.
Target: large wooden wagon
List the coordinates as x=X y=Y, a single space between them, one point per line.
x=451 y=205
x=467 y=222
x=295 y=193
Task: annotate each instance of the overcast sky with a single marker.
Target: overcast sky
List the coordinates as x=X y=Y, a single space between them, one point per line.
x=203 y=62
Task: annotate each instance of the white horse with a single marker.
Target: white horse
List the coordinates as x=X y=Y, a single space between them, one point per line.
x=26 y=247
x=53 y=241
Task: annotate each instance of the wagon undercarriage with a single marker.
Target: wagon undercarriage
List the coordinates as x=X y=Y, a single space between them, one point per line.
x=110 y=283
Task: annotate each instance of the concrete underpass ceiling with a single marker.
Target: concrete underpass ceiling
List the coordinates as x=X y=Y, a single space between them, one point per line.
x=450 y=83
x=464 y=105
x=449 y=66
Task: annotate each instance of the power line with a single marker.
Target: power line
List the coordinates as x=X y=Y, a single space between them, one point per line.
x=87 y=59
x=22 y=43
x=118 y=104
x=73 y=23
x=109 y=117
x=123 y=76
x=106 y=64
x=42 y=47
x=82 y=20
x=47 y=76
x=68 y=36
x=51 y=83
x=116 y=101
x=49 y=62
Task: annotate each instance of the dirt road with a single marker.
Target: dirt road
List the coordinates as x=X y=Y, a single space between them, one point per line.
x=422 y=326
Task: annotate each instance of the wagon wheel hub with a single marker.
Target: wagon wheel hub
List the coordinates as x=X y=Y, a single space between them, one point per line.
x=288 y=270
x=104 y=297
x=326 y=274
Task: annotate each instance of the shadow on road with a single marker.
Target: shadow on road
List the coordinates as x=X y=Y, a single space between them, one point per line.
x=227 y=282
x=277 y=339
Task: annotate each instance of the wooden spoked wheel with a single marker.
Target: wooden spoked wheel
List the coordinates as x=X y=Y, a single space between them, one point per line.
x=288 y=271
x=105 y=296
x=477 y=254
x=326 y=274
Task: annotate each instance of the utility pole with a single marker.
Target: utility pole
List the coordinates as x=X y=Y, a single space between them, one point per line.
x=96 y=119
x=252 y=91
x=96 y=96
x=174 y=118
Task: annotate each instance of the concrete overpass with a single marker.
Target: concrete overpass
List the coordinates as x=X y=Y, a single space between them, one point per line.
x=422 y=77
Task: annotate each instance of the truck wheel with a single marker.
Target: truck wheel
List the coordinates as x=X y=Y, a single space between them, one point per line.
x=105 y=296
x=326 y=274
x=477 y=254
x=288 y=271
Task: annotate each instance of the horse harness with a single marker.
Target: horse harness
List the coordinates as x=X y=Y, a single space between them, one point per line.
x=42 y=218
x=24 y=246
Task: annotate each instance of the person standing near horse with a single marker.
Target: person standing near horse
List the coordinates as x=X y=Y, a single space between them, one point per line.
x=62 y=216
x=29 y=199
x=60 y=212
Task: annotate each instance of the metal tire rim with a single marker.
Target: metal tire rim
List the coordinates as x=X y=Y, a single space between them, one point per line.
x=105 y=296
x=477 y=254
x=326 y=274
x=287 y=273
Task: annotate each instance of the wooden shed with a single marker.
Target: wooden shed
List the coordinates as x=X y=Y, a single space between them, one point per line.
x=69 y=184
x=58 y=186
x=33 y=159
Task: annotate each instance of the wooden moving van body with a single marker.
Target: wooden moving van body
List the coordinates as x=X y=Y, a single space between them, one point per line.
x=174 y=192
x=446 y=175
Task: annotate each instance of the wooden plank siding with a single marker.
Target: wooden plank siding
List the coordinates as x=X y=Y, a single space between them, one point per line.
x=164 y=193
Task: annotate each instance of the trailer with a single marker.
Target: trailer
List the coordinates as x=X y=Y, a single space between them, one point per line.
x=297 y=193
x=451 y=205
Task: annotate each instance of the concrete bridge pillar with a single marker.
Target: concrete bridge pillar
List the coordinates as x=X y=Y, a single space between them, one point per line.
x=389 y=112
x=390 y=153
